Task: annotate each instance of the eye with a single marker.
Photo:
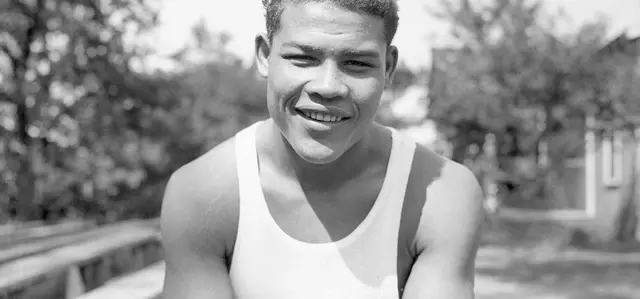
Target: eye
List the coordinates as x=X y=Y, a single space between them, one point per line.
x=300 y=60
x=358 y=63
x=358 y=66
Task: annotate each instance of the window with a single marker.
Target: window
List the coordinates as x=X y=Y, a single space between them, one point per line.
x=612 y=159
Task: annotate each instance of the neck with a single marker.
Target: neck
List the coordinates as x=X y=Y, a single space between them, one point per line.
x=348 y=166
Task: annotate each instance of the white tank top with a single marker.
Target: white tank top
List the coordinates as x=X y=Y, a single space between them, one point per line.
x=270 y=264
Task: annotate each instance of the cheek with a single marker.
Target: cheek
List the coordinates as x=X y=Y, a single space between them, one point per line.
x=367 y=97
x=283 y=87
x=278 y=95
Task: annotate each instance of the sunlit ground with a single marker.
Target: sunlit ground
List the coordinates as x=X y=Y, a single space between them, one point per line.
x=510 y=266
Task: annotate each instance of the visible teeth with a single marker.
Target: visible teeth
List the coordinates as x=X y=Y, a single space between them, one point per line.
x=322 y=117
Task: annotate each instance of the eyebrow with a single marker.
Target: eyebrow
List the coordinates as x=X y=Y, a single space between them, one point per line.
x=347 y=52
x=361 y=53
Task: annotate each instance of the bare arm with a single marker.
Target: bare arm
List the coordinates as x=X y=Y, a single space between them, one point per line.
x=448 y=237
x=197 y=226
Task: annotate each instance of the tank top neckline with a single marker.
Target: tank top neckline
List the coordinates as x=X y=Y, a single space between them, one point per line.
x=252 y=175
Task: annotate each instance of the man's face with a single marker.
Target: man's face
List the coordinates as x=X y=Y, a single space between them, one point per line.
x=327 y=68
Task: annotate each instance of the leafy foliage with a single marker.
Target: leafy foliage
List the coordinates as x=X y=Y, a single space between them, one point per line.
x=515 y=77
x=85 y=128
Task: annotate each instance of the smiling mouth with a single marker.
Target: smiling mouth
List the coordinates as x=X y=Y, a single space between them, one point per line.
x=321 y=117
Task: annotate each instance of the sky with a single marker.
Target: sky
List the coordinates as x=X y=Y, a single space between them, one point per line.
x=417 y=34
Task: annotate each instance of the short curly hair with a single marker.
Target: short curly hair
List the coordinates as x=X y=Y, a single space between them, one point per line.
x=384 y=9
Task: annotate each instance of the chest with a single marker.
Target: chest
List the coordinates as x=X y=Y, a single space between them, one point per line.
x=323 y=216
x=320 y=215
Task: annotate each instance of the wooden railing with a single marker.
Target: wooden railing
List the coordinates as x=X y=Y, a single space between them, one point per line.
x=143 y=284
x=71 y=266
x=25 y=249
x=11 y=227
x=19 y=235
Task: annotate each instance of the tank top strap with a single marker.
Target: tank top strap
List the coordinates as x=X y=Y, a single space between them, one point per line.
x=247 y=163
x=401 y=160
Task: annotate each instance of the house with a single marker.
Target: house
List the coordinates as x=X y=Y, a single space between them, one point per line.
x=595 y=177
x=602 y=174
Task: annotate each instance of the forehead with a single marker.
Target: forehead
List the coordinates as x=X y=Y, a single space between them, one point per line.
x=326 y=25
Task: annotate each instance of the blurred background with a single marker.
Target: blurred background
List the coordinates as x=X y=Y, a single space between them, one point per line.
x=100 y=101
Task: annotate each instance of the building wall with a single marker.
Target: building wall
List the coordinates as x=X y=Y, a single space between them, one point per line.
x=610 y=184
x=573 y=193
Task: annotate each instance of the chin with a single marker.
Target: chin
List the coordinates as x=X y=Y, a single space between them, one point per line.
x=317 y=153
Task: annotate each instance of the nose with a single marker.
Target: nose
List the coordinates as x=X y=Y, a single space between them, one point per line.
x=328 y=82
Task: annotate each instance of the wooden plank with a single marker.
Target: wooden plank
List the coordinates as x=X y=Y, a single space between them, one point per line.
x=18 y=229
x=37 y=233
x=31 y=248
x=23 y=272
x=14 y=226
x=144 y=284
x=75 y=285
x=525 y=215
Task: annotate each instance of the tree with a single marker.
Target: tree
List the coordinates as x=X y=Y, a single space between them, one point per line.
x=71 y=90
x=217 y=96
x=86 y=128
x=512 y=75
x=224 y=95
x=508 y=77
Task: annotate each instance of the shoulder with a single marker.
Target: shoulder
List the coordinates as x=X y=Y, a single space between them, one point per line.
x=446 y=240
x=447 y=178
x=448 y=196
x=200 y=206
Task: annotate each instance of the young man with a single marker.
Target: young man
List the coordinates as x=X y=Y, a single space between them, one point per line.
x=319 y=201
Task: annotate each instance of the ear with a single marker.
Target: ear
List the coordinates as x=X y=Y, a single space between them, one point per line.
x=263 y=49
x=391 y=63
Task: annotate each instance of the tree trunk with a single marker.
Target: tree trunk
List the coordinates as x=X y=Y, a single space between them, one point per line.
x=627 y=220
x=26 y=179
x=458 y=153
